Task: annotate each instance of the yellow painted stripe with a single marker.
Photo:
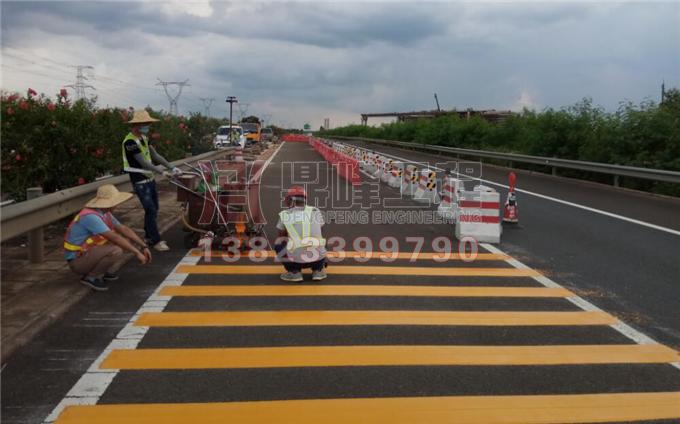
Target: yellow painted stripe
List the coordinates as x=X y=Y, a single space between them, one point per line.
x=362 y=270
x=294 y=318
x=362 y=255
x=344 y=356
x=535 y=409
x=362 y=290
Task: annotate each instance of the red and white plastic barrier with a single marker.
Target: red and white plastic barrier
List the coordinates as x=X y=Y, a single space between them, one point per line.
x=395 y=176
x=426 y=189
x=409 y=181
x=448 y=207
x=346 y=166
x=479 y=215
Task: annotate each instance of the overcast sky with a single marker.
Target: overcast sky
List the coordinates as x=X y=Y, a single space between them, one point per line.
x=303 y=62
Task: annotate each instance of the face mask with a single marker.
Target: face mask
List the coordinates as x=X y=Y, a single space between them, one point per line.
x=144 y=129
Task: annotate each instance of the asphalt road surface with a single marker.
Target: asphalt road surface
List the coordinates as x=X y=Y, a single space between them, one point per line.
x=398 y=338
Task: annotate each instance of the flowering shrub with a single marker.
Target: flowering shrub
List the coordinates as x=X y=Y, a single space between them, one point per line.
x=60 y=144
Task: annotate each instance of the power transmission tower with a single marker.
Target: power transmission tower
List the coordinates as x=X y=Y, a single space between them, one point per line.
x=80 y=84
x=206 y=104
x=171 y=98
x=242 y=110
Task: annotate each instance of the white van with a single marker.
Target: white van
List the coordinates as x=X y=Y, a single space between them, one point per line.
x=222 y=136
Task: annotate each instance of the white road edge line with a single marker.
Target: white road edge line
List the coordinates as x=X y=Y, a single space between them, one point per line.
x=94 y=382
x=554 y=199
x=623 y=328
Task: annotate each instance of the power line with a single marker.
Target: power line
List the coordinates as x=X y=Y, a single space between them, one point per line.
x=171 y=98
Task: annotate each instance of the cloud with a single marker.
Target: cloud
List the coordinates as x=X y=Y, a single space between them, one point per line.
x=302 y=62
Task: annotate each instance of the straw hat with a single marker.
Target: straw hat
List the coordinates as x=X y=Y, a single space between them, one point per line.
x=141 y=117
x=108 y=196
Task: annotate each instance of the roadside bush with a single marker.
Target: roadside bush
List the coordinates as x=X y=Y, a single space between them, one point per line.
x=56 y=144
x=644 y=135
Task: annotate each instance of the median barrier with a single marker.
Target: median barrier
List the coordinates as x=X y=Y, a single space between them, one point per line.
x=479 y=215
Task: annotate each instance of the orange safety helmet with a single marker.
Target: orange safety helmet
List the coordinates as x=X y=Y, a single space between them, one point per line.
x=296 y=191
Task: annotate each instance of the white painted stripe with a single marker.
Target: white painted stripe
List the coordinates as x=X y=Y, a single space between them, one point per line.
x=564 y=202
x=92 y=385
x=94 y=382
x=623 y=328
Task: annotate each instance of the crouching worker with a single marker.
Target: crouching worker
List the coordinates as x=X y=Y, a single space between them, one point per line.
x=95 y=240
x=303 y=245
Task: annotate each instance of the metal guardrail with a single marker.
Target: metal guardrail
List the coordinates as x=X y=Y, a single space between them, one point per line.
x=22 y=217
x=555 y=163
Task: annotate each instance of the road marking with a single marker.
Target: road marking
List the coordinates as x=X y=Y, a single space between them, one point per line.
x=91 y=385
x=535 y=409
x=620 y=326
x=364 y=255
x=349 y=356
x=362 y=270
x=310 y=318
x=360 y=290
x=564 y=202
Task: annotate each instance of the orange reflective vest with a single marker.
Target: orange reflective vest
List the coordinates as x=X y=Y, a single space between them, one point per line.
x=93 y=240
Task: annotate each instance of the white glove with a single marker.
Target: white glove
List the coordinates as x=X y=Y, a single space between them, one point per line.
x=176 y=171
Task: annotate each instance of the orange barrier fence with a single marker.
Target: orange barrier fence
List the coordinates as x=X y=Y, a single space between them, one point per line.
x=346 y=166
x=299 y=138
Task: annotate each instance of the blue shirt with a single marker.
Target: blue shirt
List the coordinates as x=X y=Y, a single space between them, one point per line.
x=86 y=226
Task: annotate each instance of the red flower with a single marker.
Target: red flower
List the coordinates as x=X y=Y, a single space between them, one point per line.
x=12 y=97
x=10 y=111
x=23 y=105
x=155 y=136
x=51 y=106
x=167 y=142
x=63 y=93
x=99 y=152
x=81 y=181
x=17 y=157
x=32 y=92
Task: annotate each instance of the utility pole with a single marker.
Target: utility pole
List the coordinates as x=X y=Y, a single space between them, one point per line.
x=231 y=100
x=437 y=101
x=80 y=84
x=206 y=104
x=171 y=98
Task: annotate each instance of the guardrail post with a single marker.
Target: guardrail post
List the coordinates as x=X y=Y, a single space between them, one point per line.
x=36 y=241
x=616 y=180
x=554 y=170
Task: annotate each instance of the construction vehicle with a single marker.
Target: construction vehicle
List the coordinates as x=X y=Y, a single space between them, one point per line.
x=252 y=131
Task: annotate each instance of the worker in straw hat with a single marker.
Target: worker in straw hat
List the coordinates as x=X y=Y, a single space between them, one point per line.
x=302 y=244
x=139 y=160
x=95 y=240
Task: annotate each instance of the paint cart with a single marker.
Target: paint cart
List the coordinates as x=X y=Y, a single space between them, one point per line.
x=221 y=204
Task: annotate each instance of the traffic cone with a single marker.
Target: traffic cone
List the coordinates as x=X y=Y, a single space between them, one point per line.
x=511 y=211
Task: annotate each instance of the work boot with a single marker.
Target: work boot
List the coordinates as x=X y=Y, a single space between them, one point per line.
x=292 y=277
x=94 y=283
x=319 y=275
